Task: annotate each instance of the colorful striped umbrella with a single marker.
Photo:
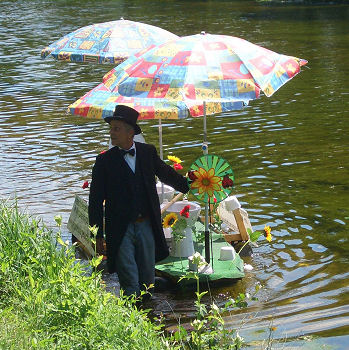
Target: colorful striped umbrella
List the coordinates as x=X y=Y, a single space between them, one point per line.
x=109 y=42
x=171 y=81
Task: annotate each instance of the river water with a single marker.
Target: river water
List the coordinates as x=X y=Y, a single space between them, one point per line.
x=289 y=152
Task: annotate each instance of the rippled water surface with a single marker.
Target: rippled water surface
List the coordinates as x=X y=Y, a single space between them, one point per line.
x=289 y=152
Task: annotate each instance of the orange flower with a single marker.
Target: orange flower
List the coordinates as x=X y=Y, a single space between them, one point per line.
x=206 y=181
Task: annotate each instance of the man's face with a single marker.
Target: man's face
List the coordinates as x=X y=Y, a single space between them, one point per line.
x=121 y=134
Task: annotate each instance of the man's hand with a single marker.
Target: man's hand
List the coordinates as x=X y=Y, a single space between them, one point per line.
x=100 y=246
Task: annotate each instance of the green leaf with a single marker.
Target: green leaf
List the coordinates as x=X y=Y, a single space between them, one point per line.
x=60 y=241
x=199 y=226
x=31 y=279
x=181 y=224
x=58 y=219
x=180 y=334
x=93 y=230
x=96 y=261
x=189 y=275
x=254 y=235
x=4 y=266
x=200 y=295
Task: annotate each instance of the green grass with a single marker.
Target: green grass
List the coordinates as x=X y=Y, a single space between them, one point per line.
x=48 y=300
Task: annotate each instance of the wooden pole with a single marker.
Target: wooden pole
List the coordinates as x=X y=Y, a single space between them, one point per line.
x=175 y=199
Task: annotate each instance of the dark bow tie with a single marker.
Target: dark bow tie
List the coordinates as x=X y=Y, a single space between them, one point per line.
x=131 y=152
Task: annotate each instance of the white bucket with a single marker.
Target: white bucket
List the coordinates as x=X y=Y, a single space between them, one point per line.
x=165 y=192
x=185 y=247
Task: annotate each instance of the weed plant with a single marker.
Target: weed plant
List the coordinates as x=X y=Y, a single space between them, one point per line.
x=48 y=300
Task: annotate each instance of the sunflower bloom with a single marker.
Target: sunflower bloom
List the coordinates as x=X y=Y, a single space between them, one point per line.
x=206 y=181
x=267 y=233
x=169 y=220
x=174 y=159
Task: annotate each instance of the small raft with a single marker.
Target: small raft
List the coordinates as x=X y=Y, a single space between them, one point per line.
x=173 y=268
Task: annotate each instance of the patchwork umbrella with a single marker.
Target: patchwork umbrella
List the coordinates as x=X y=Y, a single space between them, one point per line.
x=110 y=42
x=171 y=81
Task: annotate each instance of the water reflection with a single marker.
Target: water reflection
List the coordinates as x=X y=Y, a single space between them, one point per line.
x=289 y=152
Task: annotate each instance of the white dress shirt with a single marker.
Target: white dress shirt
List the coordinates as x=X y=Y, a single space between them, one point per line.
x=131 y=160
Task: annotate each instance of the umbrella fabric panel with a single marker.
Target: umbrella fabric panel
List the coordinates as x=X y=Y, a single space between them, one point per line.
x=100 y=102
x=205 y=67
x=94 y=104
x=109 y=42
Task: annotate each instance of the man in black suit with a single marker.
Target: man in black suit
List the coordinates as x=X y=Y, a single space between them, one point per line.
x=124 y=177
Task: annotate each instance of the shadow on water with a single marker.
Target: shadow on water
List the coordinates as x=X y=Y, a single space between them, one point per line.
x=289 y=152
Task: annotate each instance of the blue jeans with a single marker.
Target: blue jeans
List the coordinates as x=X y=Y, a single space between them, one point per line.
x=135 y=261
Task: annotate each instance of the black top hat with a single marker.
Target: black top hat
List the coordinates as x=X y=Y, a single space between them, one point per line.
x=127 y=115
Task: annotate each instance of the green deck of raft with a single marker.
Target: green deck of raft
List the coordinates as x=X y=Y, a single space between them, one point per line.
x=173 y=268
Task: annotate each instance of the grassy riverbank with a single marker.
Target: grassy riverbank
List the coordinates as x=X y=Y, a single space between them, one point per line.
x=49 y=301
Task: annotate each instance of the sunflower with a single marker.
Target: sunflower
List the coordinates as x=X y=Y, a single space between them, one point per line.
x=169 y=220
x=174 y=159
x=267 y=233
x=206 y=181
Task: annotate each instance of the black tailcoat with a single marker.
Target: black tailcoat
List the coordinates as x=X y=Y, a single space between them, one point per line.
x=112 y=183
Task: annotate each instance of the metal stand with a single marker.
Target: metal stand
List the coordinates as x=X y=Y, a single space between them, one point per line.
x=161 y=154
x=160 y=140
x=207 y=232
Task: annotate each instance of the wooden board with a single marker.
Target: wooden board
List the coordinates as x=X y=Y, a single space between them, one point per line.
x=78 y=224
x=237 y=221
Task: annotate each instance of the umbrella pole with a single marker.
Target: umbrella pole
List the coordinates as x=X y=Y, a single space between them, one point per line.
x=207 y=232
x=160 y=140
x=161 y=155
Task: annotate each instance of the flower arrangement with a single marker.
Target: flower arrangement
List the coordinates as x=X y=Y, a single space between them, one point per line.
x=178 y=224
x=176 y=162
